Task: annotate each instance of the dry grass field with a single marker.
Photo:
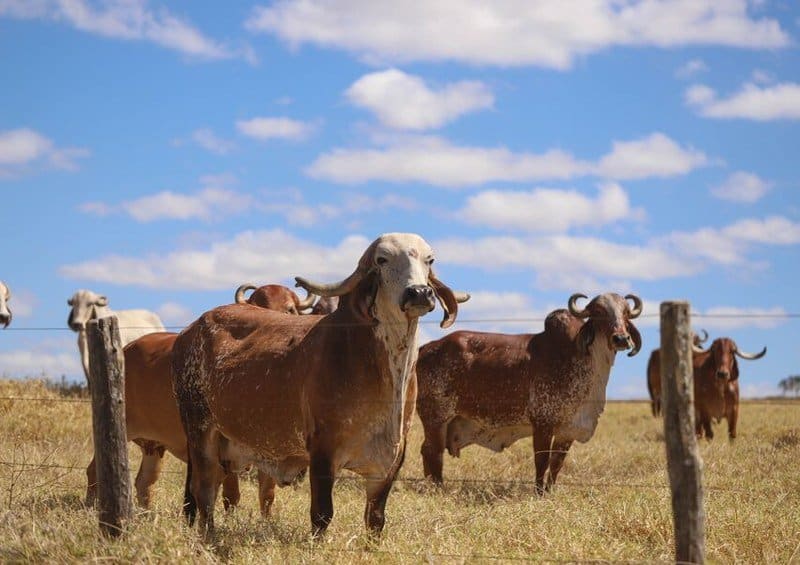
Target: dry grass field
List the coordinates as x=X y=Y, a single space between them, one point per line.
x=612 y=503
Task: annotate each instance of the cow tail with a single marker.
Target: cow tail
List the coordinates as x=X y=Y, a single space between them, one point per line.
x=189 y=502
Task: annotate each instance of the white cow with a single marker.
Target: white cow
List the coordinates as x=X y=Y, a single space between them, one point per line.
x=5 y=312
x=87 y=305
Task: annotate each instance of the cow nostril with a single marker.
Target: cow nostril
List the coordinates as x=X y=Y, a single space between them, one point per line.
x=722 y=374
x=620 y=339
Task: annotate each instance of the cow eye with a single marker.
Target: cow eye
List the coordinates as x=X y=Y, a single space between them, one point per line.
x=69 y=302
x=381 y=260
x=430 y=261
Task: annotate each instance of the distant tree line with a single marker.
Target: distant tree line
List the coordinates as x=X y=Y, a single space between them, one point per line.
x=790 y=385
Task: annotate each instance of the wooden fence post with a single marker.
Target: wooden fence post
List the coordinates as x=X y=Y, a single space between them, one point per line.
x=108 y=424
x=683 y=460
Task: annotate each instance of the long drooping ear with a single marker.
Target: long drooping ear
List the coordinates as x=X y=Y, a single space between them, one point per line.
x=637 y=338
x=446 y=298
x=360 y=300
x=735 y=369
x=586 y=336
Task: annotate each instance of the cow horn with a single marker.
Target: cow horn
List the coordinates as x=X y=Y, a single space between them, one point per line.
x=239 y=296
x=750 y=356
x=573 y=309
x=333 y=289
x=696 y=348
x=637 y=305
x=307 y=302
x=461 y=296
x=700 y=340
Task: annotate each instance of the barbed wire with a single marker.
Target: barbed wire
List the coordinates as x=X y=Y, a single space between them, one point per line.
x=426 y=321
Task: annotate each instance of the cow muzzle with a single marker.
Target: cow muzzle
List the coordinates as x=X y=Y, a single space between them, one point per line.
x=5 y=319
x=621 y=342
x=723 y=375
x=418 y=300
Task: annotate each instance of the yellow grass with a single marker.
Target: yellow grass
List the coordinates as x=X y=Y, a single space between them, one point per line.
x=612 y=503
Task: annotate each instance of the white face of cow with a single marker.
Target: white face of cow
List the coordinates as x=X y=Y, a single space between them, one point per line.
x=5 y=312
x=403 y=265
x=86 y=305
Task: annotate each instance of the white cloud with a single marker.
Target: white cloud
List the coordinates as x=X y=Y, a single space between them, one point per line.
x=653 y=156
x=761 y=76
x=23 y=148
x=275 y=128
x=174 y=314
x=208 y=204
x=436 y=161
x=691 y=68
x=732 y=317
x=404 y=101
x=298 y=212
x=127 y=20
x=514 y=33
x=48 y=357
x=752 y=102
x=544 y=209
x=208 y=140
x=741 y=186
x=22 y=303
x=252 y=255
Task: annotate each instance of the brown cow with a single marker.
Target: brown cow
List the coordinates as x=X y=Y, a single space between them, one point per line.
x=716 y=385
x=151 y=413
x=494 y=389
x=325 y=305
x=274 y=297
x=326 y=392
x=654 y=373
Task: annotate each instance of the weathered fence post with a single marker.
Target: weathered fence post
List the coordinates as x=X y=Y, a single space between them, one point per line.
x=108 y=424
x=683 y=459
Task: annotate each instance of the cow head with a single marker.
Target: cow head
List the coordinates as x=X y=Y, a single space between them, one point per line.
x=723 y=353
x=609 y=316
x=86 y=305
x=5 y=311
x=274 y=297
x=393 y=280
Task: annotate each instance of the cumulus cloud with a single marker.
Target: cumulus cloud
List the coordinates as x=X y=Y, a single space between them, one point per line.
x=741 y=186
x=23 y=149
x=129 y=20
x=252 y=255
x=691 y=68
x=297 y=211
x=513 y=33
x=208 y=140
x=545 y=209
x=653 y=156
x=263 y=128
x=48 y=357
x=208 y=204
x=433 y=160
x=725 y=318
x=752 y=102
x=404 y=101
x=174 y=314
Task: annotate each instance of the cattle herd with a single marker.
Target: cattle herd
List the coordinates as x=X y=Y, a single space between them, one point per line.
x=261 y=383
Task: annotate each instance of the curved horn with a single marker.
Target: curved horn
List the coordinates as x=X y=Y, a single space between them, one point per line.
x=307 y=302
x=333 y=289
x=637 y=305
x=700 y=340
x=461 y=296
x=239 y=296
x=750 y=356
x=696 y=348
x=573 y=309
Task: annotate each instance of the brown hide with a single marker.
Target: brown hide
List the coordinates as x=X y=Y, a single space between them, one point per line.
x=654 y=372
x=320 y=392
x=716 y=385
x=493 y=389
x=275 y=297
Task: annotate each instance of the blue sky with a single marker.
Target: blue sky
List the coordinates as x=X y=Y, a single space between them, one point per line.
x=164 y=153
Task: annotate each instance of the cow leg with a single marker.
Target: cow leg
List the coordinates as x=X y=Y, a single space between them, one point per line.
x=321 y=479
x=377 y=493
x=149 y=470
x=542 y=439
x=707 y=429
x=433 y=451
x=91 y=484
x=266 y=493
x=557 y=456
x=230 y=491
x=733 y=418
x=206 y=477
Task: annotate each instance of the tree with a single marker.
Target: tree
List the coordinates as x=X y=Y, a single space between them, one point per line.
x=790 y=384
